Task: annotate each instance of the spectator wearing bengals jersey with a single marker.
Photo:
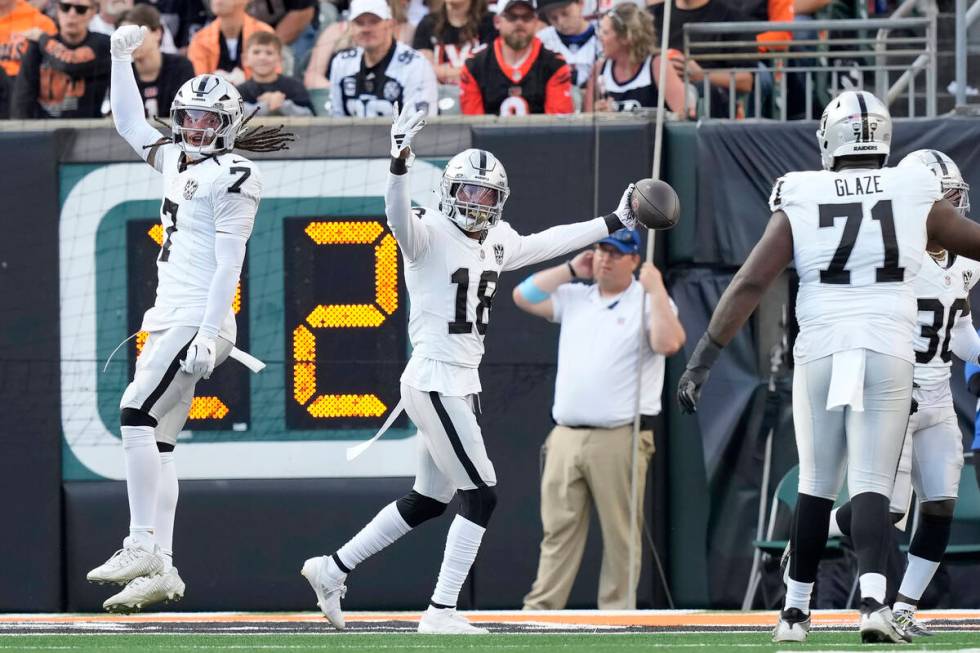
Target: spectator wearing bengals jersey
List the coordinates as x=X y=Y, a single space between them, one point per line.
x=20 y=23
x=448 y=36
x=65 y=75
x=518 y=75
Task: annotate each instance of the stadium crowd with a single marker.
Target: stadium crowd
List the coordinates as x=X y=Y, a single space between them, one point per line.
x=357 y=58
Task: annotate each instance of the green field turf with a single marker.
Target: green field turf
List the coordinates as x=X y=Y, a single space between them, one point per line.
x=393 y=643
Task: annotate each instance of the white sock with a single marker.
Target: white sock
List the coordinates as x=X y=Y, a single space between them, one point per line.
x=142 y=481
x=462 y=544
x=386 y=527
x=901 y=605
x=167 y=494
x=835 y=530
x=798 y=595
x=917 y=577
x=873 y=586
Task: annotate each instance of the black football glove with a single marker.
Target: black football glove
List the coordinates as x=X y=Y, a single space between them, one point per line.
x=696 y=374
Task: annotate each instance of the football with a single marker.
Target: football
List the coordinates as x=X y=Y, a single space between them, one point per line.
x=655 y=204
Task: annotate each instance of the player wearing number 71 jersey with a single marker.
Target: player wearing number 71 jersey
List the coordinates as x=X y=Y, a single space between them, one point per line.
x=210 y=197
x=453 y=259
x=857 y=233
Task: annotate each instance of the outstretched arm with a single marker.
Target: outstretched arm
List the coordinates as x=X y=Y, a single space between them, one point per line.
x=566 y=238
x=125 y=99
x=409 y=231
x=768 y=259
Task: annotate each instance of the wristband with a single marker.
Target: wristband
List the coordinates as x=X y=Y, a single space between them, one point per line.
x=705 y=353
x=398 y=166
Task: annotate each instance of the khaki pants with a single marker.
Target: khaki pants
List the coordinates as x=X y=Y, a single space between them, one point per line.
x=584 y=464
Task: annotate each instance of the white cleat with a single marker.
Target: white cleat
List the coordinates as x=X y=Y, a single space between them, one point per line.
x=147 y=590
x=327 y=581
x=129 y=562
x=878 y=624
x=793 y=626
x=446 y=621
x=909 y=626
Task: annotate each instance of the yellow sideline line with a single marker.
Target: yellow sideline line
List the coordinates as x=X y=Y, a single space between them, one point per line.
x=586 y=618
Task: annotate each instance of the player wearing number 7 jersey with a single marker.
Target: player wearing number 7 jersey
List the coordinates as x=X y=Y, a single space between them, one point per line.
x=210 y=198
x=454 y=255
x=857 y=232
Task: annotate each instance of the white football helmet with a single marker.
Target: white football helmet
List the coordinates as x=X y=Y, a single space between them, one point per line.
x=955 y=188
x=854 y=123
x=206 y=115
x=473 y=190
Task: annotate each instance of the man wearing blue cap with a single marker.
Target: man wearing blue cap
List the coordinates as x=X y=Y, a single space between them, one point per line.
x=588 y=453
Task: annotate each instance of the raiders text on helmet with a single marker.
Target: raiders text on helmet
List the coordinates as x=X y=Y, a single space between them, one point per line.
x=854 y=123
x=197 y=97
x=955 y=188
x=473 y=190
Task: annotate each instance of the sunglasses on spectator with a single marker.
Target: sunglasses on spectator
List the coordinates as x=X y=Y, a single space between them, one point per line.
x=68 y=7
x=522 y=17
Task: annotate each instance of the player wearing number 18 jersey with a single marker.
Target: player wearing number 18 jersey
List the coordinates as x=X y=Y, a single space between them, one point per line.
x=454 y=255
x=857 y=232
x=210 y=198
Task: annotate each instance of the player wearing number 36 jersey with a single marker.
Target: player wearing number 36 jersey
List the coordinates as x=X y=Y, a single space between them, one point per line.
x=454 y=255
x=857 y=233
x=210 y=197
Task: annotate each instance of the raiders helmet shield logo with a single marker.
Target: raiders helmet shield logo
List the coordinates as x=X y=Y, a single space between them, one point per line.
x=967 y=278
x=498 y=253
x=190 y=188
x=392 y=90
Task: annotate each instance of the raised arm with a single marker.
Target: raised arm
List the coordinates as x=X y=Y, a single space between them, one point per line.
x=768 y=259
x=950 y=230
x=125 y=99
x=566 y=238
x=409 y=231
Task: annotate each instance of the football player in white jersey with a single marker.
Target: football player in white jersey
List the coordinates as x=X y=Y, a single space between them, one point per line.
x=210 y=198
x=454 y=255
x=857 y=232
x=932 y=457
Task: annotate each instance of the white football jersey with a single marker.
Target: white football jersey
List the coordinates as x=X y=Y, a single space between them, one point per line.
x=580 y=57
x=220 y=193
x=859 y=237
x=403 y=76
x=452 y=280
x=942 y=292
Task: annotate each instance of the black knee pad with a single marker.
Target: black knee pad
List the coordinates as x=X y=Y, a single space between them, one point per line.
x=164 y=447
x=870 y=522
x=932 y=534
x=136 y=417
x=943 y=508
x=478 y=504
x=416 y=508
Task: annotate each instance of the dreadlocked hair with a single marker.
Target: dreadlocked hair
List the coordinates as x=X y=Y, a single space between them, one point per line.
x=256 y=139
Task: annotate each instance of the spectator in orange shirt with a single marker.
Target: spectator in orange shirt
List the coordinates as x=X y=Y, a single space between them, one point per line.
x=19 y=23
x=518 y=75
x=217 y=48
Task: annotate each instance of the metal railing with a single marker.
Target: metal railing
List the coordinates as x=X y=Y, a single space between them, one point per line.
x=851 y=50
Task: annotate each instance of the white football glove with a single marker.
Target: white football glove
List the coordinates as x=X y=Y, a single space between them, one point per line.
x=624 y=212
x=124 y=42
x=404 y=126
x=200 y=356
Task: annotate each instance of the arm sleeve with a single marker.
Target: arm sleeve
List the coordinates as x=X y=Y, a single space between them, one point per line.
x=965 y=342
x=558 y=92
x=24 y=101
x=127 y=113
x=234 y=217
x=555 y=241
x=470 y=96
x=410 y=232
